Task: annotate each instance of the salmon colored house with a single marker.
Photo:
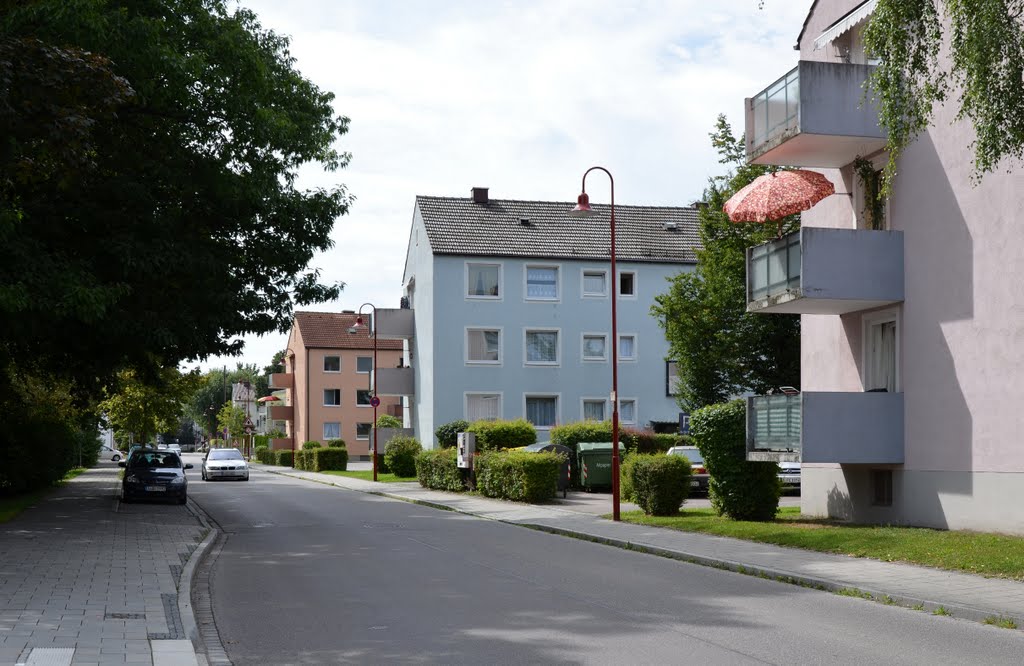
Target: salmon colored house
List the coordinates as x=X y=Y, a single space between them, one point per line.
x=328 y=381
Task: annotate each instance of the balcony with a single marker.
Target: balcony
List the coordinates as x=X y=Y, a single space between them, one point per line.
x=826 y=427
x=282 y=380
x=395 y=324
x=281 y=443
x=396 y=381
x=282 y=413
x=814 y=116
x=825 y=271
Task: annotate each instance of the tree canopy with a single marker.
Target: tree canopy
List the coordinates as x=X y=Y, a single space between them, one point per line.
x=145 y=408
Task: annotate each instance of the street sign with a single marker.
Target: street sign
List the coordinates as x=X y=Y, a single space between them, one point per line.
x=249 y=428
x=374 y=401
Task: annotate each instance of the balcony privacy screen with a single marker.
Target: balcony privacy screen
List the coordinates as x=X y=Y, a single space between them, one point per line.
x=776 y=422
x=774 y=267
x=776 y=109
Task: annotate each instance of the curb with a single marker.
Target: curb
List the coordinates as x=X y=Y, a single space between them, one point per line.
x=188 y=618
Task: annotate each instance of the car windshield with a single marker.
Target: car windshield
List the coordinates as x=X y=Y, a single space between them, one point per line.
x=693 y=455
x=226 y=455
x=154 y=459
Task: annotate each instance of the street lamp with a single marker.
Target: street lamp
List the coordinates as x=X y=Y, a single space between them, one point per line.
x=583 y=207
x=374 y=400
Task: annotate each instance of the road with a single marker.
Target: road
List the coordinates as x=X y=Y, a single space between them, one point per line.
x=313 y=574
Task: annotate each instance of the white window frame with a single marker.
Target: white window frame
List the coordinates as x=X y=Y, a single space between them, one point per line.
x=868 y=321
x=367 y=405
x=558 y=347
x=583 y=282
x=465 y=402
x=636 y=348
x=668 y=378
x=501 y=281
x=618 y=284
x=604 y=406
x=636 y=411
x=583 y=348
x=558 y=408
x=526 y=283
x=324 y=366
x=364 y=372
x=465 y=339
x=327 y=404
x=367 y=435
x=327 y=423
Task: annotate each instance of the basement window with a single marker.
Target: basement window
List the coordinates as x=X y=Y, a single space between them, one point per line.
x=881 y=487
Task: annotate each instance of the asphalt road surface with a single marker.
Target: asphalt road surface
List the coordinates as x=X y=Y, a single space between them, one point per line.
x=312 y=574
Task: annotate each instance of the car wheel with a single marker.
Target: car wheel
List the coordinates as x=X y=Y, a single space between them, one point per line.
x=116 y=457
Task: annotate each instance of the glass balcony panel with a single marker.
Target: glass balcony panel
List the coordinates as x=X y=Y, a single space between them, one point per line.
x=776 y=422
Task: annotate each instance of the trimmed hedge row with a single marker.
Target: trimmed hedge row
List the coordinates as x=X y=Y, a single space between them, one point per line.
x=641 y=441
x=319 y=459
x=436 y=469
x=282 y=458
x=400 y=455
x=501 y=434
x=660 y=483
x=447 y=433
x=517 y=475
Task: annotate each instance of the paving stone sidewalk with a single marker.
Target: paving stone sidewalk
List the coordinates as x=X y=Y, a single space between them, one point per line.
x=964 y=596
x=85 y=579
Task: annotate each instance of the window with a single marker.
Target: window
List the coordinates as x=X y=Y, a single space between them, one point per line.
x=595 y=283
x=332 y=430
x=627 y=284
x=363 y=430
x=483 y=406
x=482 y=280
x=881 y=487
x=332 y=397
x=881 y=352
x=542 y=283
x=542 y=347
x=872 y=208
x=593 y=409
x=627 y=347
x=671 y=378
x=594 y=347
x=483 y=345
x=363 y=397
x=332 y=364
x=542 y=410
x=627 y=411
x=364 y=364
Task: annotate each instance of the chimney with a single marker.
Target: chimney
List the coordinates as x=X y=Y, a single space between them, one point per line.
x=480 y=195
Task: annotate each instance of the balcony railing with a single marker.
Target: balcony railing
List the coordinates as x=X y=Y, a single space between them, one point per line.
x=282 y=380
x=396 y=381
x=395 y=323
x=774 y=268
x=282 y=412
x=774 y=423
x=776 y=109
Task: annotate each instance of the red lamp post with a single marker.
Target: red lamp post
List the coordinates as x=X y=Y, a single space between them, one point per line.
x=583 y=207
x=374 y=401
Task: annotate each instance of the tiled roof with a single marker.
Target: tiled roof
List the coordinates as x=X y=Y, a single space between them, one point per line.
x=329 y=330
x=462 y=227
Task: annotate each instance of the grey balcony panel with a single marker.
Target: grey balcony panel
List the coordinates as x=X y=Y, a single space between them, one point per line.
x=773 y=427
x=852 y=428
x=816 y=115
x=816 y=270
x=395 y=323
x=396 y=381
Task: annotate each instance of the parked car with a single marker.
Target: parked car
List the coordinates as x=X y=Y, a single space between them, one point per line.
x=699 y=478
x=174 y=447
x=225 y=464
x=107 y=453
x=151 y=473
x=789 y=475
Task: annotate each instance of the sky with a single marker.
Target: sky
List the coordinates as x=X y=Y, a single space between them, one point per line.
x=519 y=96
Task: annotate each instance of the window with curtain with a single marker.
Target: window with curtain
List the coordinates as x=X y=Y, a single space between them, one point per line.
x=332 y=430
x=882 y=366
x=542 y=347
x=627 y=411
x=483 y=345
x=542 y=282
x=594 y=347
x=627 y=347
x=595 y=283
x=483 y=407
x=593 y=410
x=482 y=280
x=542 y=411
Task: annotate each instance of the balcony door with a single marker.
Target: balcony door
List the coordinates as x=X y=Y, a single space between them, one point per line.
x=881 y=353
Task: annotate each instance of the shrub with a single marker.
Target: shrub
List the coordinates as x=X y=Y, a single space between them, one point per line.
x=388 y=421
x=572 y=434
x=261 y=441
x=518 y=475
x=501 y=434
x=738 y=489
x=625 y=476
x=437 y=469
x=335 y=443
x=400 y=455
x=446 y=434
x=660 y=483
x=331 y=458
x=283 y=457
x=665 y=441
x=300 y=459
x=311 y=445
x=261 y=453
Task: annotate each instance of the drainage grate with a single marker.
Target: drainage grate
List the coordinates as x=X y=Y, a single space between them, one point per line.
x=124 y=616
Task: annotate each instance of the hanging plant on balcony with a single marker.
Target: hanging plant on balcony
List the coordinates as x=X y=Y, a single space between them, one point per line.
x=874 y=200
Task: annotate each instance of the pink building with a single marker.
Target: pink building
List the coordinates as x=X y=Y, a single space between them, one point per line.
x=911 y=311
x=328 y=372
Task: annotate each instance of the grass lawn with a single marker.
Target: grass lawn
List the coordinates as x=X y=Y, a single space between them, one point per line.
x=12 y=506
x=367 y=475
x=995 y=555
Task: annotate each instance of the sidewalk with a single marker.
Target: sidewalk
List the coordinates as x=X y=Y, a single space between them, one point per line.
x=87 y=580
x=963 y=596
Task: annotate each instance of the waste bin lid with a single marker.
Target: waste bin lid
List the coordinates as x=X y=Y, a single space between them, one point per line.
x=598 y=446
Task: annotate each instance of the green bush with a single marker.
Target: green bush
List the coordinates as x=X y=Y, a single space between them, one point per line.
x=400 y=455
x=501 y=434
x=306 y=446
x=335 y=443
x=388 y=421
x=738 y=489
x=665 y=441
x=261 y=441
x=261 y=453
x=446 y=434
x=333 y=458
x=517 y=475
x=283 y=457
x=571 y=434
x=625 y=476
x=660 y=483
x=300 y=459
x=436 y=469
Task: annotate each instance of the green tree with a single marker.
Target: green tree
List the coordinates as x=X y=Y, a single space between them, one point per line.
x=155 y=179
x=982 y=69
x=143 y=407
x=720 y=349
x=232 y=419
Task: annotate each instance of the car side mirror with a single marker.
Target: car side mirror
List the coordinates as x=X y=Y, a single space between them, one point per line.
x=188 y=466
x=122 y=464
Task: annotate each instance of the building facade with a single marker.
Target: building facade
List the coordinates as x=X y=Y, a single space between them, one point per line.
x=512 y=304
x=911 y=310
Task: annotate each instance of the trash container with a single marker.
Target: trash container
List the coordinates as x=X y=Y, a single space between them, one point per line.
x=595 y=464
x=564 y=474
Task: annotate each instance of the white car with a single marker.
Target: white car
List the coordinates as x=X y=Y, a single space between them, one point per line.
x=174 y=447
x=225 y=464
x=789 y=475
x=107 y=453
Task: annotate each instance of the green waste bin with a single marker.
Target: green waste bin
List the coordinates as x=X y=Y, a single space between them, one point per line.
x=595 y=464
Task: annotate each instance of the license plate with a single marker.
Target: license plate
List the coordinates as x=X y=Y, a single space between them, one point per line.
x=155 y=489
x=695 y=484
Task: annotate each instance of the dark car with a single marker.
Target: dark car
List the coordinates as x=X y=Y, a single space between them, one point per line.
x=154 y=474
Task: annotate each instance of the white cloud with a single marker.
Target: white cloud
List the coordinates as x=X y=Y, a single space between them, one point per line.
x=520 y=97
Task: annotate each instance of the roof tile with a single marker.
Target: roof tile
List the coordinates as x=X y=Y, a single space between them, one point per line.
x=329 y=330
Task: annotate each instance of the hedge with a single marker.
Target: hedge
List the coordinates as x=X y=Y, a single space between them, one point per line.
x=283 y=457
x=313 y=444
x=501 y=434
x=518 y=475
x=261 y=441
x=572 y=434
x=626 y=476
x=335 y=443
x=446 y=434
x=400 y=455
x=331 y=458
x=739 y=489
x=436 y=469
x=261 y=453
x=660 y=483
